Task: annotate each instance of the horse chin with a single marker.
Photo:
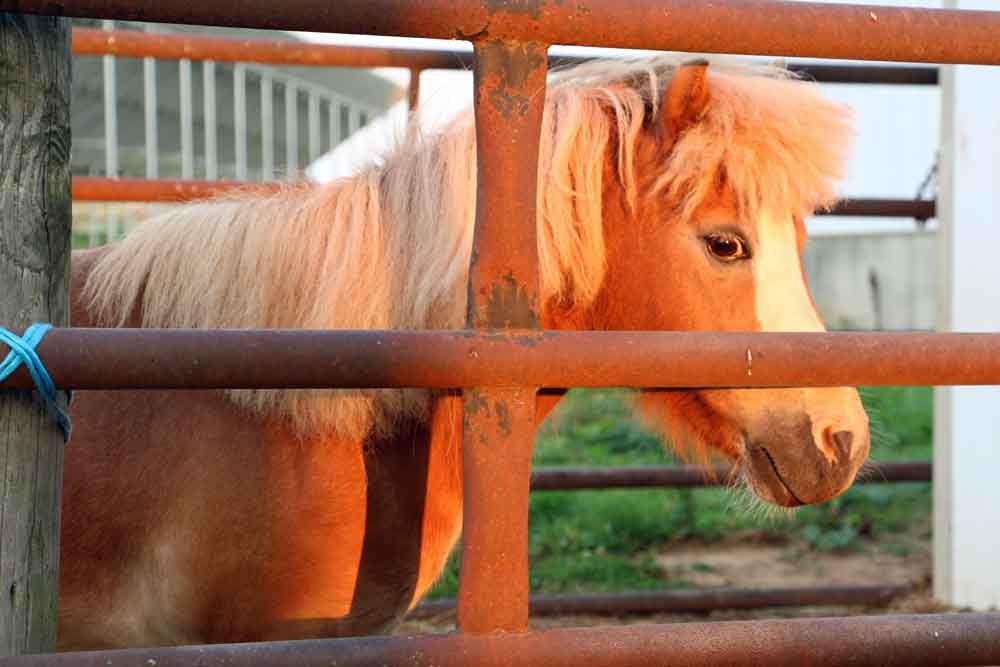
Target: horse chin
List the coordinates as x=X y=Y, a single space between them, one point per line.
x=764 y=480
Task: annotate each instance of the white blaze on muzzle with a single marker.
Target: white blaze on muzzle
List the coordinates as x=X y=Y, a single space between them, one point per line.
x=783 y=304
x=782 y=298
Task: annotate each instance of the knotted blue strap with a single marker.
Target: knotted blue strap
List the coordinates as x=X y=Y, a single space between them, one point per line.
x=22 y=351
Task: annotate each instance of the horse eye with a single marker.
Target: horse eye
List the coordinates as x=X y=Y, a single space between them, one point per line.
x=726 y=247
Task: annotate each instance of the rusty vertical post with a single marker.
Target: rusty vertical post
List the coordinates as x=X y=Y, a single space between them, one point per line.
x=498 y=424
x=35 y=215
x=413 y=92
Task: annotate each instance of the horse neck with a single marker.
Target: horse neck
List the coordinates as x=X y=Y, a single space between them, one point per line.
x=422 y=223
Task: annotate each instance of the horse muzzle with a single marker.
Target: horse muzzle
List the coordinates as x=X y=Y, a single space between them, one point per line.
x=790 y=469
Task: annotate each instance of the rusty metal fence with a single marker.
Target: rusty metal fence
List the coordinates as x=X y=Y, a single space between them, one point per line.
x=165 y=45
x=503 y=360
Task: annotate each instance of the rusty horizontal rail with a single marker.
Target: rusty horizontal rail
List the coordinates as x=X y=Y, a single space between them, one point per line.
x=642 y=477
x=135 y=44
x=101 y=189
x=690 y=601
x=760 y=27
x=918 y=209
x=213 y=359
x=896 y=75
x=882 y=641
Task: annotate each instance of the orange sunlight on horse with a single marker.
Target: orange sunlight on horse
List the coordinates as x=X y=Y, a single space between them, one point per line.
x=671 y=197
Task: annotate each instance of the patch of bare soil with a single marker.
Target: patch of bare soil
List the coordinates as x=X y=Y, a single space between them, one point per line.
x=744 y=564
x=747 y=562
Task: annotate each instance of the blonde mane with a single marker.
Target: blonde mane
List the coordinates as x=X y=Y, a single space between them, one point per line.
x=389 y=247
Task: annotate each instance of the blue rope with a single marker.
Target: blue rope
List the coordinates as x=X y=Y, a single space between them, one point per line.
x=22 y=351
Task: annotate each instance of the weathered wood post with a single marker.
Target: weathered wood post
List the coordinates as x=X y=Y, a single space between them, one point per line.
x=35 y=218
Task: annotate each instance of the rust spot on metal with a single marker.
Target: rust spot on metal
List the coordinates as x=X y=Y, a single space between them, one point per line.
x=474 y=402
x=528 y=338
x=511 y=305
x=502 y=412
x=482 y=33
x=508 y=104
x=513 y=64
x=532 y=8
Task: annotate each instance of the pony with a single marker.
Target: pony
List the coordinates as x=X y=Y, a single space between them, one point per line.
x=671 y=197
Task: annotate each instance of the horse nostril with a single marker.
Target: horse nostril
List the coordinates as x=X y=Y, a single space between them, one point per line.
x=840 y=442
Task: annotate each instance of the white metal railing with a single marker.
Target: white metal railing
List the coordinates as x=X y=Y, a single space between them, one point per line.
x=149 y=106
x=110 y=136
x=343 y=116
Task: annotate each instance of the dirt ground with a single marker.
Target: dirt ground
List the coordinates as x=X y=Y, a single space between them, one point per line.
x=746 y=562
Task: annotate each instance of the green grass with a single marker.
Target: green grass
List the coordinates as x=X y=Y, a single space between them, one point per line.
x=608 y=540
x=901 y=421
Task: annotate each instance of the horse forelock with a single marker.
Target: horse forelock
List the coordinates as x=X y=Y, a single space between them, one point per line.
x=772 y=140
x=769 y=138
x=389 y=247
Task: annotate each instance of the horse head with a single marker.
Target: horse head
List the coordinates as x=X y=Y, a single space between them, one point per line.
x=706 y=180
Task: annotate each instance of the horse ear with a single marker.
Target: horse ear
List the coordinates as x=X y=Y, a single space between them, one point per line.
x=686 y=97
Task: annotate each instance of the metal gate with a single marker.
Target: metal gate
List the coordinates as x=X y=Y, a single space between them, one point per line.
x=503 y=363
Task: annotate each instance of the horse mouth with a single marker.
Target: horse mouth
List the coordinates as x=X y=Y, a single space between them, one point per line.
x=766 y=480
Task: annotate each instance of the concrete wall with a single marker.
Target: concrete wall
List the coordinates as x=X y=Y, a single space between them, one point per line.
x=877 y=281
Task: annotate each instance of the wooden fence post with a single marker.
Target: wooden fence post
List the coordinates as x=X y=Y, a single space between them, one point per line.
x=35 y=218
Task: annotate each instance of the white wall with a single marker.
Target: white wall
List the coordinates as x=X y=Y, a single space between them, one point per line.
x=966 y=494
x=839 y=269
x=897 y=137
